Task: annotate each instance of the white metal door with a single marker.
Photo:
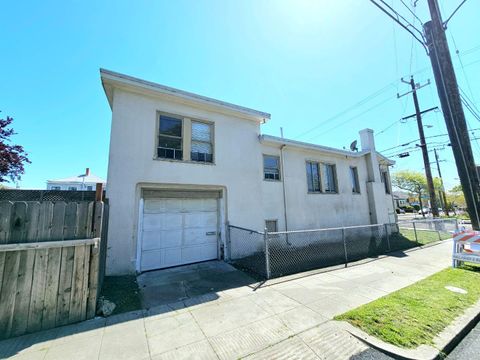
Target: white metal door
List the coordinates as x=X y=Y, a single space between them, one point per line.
x=178 y=231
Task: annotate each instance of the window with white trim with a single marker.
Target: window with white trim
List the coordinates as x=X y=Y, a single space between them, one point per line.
x=271 y=225
x=55 y=188
x=271 y=167
x=170 y=138
x=313 y=177
x=202 y=147
x=330 y=175
x=354 y=180
x=385 y=180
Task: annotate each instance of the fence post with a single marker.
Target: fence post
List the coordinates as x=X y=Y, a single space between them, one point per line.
x=229 y=241
x=415 y=231
x=345 y=246
x=456 y=224
x=388 y=237
x=267 y=253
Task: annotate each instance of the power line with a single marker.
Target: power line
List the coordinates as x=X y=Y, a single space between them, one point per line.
x=397 y=20
x=343 y=112
x=412 y=12
x=454 y=11
x=354 y=117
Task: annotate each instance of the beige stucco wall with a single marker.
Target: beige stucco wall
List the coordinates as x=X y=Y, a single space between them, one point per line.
x=247 y=200
x=237 y=168
x=310 y=210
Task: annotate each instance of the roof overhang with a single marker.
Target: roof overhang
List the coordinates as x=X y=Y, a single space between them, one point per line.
x=386 y=160
x=112 y=80
x=274 y=140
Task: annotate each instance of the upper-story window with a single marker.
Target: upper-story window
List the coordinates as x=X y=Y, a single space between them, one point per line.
x=170 y=138
x=384 y=175
x=271 y=167
x=201 y=148
x=330 y=175
x=354 y=180
x=313 y=177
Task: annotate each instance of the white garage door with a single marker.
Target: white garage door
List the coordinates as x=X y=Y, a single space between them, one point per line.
x=178 y=231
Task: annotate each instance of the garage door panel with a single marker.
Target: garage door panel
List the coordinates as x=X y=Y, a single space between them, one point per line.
x=160 y=206
x=200 y=236
x=199 y=253
x=161 y=239
x=208 y=219
x=178 y=231
x=162 y=221
x=202 y=205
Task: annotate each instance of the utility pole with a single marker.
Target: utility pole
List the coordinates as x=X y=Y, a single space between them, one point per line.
x=450 y=100
x=423 y=146
x=444 y=197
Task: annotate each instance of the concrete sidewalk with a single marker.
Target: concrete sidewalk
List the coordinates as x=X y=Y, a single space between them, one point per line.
x=286 y=320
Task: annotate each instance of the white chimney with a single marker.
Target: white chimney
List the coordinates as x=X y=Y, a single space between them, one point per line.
x=367 y=140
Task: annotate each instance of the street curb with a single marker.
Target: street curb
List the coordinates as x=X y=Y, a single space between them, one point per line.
x=444 y=343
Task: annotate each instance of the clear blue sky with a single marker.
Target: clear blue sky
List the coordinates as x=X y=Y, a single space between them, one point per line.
x=305 y=62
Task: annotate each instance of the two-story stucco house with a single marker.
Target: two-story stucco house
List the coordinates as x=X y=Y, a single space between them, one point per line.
x=182 y=165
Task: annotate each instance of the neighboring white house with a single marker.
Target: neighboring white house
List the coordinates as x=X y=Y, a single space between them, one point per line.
x=86 y=181
x=181 y=165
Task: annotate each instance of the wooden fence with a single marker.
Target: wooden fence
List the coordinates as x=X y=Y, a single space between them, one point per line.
x=49 y=264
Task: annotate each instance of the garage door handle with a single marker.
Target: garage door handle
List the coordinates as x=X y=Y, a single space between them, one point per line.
x=208 y=233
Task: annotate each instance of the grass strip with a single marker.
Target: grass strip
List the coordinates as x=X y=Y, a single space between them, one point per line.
x=414 y=315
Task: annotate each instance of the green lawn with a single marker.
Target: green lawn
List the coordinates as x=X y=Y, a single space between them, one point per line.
x=425 y=236
x=416 y=314
x=123 y=291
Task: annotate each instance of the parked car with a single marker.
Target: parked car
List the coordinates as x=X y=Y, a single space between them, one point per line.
x=400 y=211
x=424 y=211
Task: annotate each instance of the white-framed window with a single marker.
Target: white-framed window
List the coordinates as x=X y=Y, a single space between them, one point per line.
x=385 y=180
x=55 y=188
x=73 y=188
x=354 y=180
x=330 y=175
x=89 y=187
x=202 y=142
x=271 y=225
x=313 y=177
x=170 y=139
x=271 y=167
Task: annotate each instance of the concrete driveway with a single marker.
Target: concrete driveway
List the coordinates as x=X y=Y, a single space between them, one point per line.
x=291 y=319
x=188 y=282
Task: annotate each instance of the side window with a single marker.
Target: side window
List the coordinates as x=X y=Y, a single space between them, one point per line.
x=313 y=177
x=89 y=187
x=271 y=225
x=330 y=178
x=385 y=180
x=170 y=138
x=72 y=188
x=202 y=148
x=55 y=188
x=271 y=167
x=354 y=180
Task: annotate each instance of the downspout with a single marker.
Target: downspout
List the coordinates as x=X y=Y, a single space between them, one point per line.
x=284 y=192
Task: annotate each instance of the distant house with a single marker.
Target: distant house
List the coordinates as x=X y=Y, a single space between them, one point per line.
x=400 y=199
x=86 y=181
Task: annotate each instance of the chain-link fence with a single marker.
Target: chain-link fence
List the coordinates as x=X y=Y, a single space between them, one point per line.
x=275 y=254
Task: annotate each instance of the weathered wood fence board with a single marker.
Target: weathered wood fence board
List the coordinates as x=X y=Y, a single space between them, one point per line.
x=50 y=255
x=46 y=287
x=34 y=221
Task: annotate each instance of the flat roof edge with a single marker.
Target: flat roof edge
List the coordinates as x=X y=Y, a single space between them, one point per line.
x=167 y=90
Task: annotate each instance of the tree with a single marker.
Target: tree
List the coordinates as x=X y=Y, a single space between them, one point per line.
x=456 y=198
x=12 y=157
x=411 y=181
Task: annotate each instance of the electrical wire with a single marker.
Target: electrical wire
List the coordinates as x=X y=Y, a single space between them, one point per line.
x=343 y=112
x=454 y=11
